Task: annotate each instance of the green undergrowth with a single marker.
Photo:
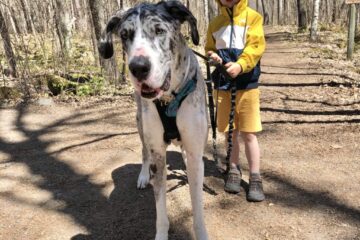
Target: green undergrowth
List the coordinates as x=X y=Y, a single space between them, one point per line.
x=52 y=73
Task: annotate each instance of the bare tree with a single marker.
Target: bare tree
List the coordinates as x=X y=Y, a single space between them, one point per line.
x=27 y=15
x=98 y=23
x=302 y=15
x=265 y=13
x=281 y=12
x=314 y=22
x=63 y=26
x=10 y=56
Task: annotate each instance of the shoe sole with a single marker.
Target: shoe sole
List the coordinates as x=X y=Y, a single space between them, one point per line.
x=231 y=190
x=255 y=200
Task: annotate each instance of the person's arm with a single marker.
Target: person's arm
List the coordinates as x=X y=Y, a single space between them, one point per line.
x=255 y=45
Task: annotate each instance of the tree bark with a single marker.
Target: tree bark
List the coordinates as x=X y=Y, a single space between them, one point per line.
x=98 y=22
x=265 y=13
x=281 y=12
x=29 y=23
x=314 y=23
x=63 y=27
x=302 y=16
x=10 y=56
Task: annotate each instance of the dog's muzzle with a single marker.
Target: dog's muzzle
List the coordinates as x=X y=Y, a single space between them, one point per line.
x=140 y=67
x=149 y=92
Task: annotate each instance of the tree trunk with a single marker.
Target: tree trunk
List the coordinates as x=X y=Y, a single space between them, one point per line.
x=335 y=9
x=29 y=23
x=63 y=27
x=314 y=22
x=110 y=66
x=281 y=12
x=10 y=56
x=302 y=16
x=265 y=13
x=275 y=16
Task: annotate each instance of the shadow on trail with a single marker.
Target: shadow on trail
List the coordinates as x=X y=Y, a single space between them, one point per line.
x=313 y=113
x=294 y=196
x=292 y=84
x=331 y=84
x=278 y=36
x=175 y=162
x=127 y=214
x=312 y=122
x=288 y=67
x=322 y=102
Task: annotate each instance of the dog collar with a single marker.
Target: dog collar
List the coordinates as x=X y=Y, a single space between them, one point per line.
x=174 y=100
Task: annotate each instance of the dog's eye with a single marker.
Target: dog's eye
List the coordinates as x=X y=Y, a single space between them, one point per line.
x=159 y=31
x=124 y=34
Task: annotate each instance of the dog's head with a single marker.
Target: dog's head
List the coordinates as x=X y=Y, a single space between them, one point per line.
x=150 y=34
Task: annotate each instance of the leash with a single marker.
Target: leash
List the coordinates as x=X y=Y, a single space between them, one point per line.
x=213 y=116
x=208 y=82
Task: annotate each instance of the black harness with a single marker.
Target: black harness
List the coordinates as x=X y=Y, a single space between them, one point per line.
x=168 y=110
x=169 y=123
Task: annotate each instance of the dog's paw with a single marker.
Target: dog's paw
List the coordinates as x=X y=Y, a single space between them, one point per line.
x=143 y=179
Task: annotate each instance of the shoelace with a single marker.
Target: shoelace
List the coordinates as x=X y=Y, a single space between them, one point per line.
x=255 y=184
x=234 y=177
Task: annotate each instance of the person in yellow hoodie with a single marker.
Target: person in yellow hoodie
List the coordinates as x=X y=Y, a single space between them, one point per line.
x=236 y=39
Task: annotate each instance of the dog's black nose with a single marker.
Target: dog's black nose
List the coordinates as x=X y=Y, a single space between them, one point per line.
x=140 y=67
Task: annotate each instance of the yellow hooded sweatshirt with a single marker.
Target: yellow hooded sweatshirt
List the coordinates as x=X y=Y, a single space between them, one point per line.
x=237 y=35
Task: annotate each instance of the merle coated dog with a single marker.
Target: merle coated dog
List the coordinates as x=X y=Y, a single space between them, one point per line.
x=161 y=66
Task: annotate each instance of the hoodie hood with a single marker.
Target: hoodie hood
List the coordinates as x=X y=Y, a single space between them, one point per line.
x=237 y=9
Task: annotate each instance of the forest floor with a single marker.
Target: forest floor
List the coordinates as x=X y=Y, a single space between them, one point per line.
x=69 y=170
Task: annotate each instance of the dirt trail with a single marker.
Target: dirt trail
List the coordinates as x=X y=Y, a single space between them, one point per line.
x=69 y=171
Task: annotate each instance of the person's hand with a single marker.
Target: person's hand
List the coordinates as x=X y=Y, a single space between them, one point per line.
x=233 y=68
x=215 y=57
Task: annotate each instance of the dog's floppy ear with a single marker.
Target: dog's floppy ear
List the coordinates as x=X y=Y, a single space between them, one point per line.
x=178 y=11
x=106 y=48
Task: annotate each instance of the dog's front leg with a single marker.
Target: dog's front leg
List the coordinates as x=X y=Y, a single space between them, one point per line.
x=158 y=180
x=144 y=176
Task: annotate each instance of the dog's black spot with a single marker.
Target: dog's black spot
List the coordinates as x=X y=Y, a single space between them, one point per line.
x=172 y=46
x=153 y=168
x=183 y=75
x=178 y=63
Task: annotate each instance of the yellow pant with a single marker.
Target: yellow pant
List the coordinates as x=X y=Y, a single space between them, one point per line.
x=247 y=110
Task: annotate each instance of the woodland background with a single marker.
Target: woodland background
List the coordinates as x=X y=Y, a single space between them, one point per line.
x=70 y=152
x=49 y=47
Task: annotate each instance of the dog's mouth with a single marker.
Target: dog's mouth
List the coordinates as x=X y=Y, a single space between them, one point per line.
x=149 y=92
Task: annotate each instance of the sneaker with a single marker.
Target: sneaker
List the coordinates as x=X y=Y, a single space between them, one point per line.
x=233 y=181
x=256 y=192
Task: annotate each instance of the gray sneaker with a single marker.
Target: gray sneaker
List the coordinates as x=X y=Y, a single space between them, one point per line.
x=233 y=181
x=256 y=192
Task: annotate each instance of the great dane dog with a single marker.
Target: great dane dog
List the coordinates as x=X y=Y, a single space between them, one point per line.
x=161 y=65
